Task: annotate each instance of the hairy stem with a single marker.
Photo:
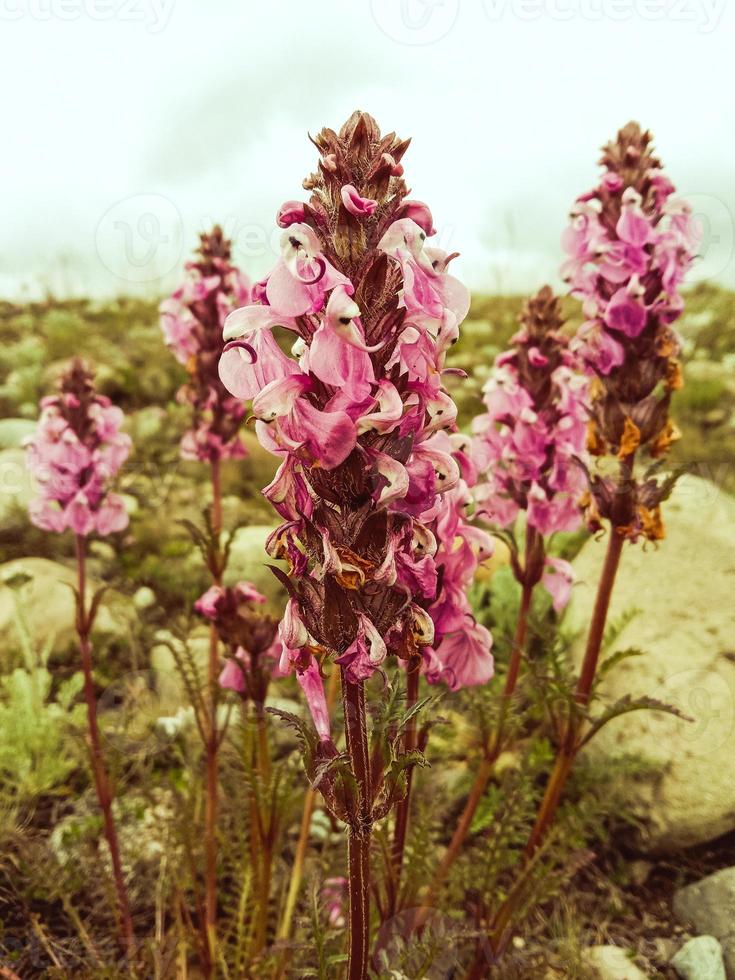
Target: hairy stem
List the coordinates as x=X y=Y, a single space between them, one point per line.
x=569 y=743
x=485 y=770
x=353 y=699
x=297 y=868
x=211 y=749
x=265 y=823
x=403 y=808
x=99 y=770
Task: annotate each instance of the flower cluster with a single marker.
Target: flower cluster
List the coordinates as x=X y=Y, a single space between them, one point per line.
x=75 y=452
x=460 y=655
x=249 y=635
x=357 y=410
x=527 y=442
x=191 y=321
x=630 y=244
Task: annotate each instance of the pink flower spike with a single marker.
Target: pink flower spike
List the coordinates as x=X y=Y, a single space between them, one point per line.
x=75 y=452
x=360 y=207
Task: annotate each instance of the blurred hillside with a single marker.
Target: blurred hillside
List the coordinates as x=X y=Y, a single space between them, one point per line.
x=122 y=339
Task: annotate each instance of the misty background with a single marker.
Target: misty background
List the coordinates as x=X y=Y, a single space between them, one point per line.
x=130 y=125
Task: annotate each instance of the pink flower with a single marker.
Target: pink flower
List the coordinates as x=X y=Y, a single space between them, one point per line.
x=334 y=895
x=289 y=423
x=191 y=321
x=233 y=675
x=302 y=276
x=418 y=212
x=463 y=658
x=626 y=314
x=366 y=653
x=251 y=358
x=290 y=213
x=76 y=451
x=310 y=681
x=360 y=207
x=558 y=580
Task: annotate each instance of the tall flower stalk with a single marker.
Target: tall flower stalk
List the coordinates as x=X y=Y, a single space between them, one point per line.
x=629 y=245
x=356 y=413
x=253 y=659
x=191 y=321
x=76 y=451
x=523 y=461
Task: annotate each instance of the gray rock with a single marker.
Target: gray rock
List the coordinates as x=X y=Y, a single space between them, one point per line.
x=700 y=959
x=14 y=431
x=35 y=597
x=168 y=681
x=144 y=598
x=249 y=561
x=612 y=963
x=683 y=590
x=709 y=907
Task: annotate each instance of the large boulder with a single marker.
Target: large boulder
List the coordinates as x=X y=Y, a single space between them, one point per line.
x=36 y=599
x=683 y=593
x=249 y=562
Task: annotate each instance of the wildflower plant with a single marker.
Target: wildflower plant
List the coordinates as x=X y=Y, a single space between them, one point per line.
x=630 y=243
x=75 y=453
x=358 y=414
x=191 y=321
x=523 y=459
x=253 y=658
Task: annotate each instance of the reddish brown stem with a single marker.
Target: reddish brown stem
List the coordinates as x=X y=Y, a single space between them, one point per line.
x=485 y=770
x=569 y=743
x=99 y=770
x=403 y=808
x=211 y=749
x=353 y=700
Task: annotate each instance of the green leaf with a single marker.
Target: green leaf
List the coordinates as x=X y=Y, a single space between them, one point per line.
x=609 y=663
x=625 y=706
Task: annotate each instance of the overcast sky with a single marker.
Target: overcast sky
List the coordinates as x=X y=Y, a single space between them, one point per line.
x=130 y=125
